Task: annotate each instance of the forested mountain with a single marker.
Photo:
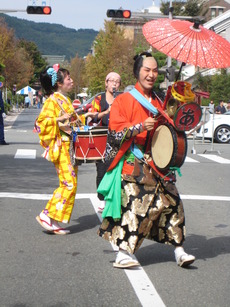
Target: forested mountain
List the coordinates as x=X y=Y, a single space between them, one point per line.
x=53 y=39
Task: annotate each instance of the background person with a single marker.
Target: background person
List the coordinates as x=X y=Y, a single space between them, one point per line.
x=101 y=106
x=211 y=106
x=228 y=106
x=220 y=109
x=57 y=144
x=139 y=204
x=27 y=102
x=2 y=116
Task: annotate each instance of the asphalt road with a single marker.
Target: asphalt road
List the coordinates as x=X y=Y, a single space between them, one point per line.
x=39 y=269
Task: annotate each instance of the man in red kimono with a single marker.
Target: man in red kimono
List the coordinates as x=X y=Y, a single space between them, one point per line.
x=139 y=203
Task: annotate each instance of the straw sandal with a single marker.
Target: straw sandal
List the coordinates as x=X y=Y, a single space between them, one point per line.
x=125 y=261
x=183 y=259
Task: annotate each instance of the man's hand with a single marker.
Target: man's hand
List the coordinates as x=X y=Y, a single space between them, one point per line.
x=91 y=114
x=149 y=123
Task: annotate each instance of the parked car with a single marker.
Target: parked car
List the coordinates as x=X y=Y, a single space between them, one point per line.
x=85 y=107
x=217 y=127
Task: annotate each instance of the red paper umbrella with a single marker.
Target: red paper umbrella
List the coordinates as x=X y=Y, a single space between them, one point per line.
x=189 y=43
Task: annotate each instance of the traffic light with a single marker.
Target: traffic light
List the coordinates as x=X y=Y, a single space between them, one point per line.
x=41 y=10
x=118 y=13
x=170 y=73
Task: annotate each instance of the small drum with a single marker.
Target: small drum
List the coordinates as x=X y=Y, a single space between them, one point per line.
x=89 y=145
x=187 y=116
x=168 y=147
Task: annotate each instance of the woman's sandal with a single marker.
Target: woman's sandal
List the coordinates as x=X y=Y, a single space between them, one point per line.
x=61 y=231
x=56 y=229
x=44 y=224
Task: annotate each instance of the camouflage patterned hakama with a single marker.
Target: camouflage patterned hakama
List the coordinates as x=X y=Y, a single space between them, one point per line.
x=150 y=209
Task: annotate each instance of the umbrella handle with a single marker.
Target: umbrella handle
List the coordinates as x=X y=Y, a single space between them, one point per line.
x=178 y=75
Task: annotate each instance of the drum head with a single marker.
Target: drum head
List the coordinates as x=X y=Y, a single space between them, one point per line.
x=162 y=146
x=86 y=130
x=187 y=116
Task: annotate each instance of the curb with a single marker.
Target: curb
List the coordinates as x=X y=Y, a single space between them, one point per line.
x=10 y=118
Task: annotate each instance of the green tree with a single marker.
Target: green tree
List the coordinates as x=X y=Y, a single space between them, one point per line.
x=18 y=67
x=183 y=8
x=112 y=52
x=1 y=71
x=77 y=72
x=217 y=85
x=192 y=8
x=34 y=54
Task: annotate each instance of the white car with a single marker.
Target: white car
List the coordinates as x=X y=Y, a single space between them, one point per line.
x=217 y=127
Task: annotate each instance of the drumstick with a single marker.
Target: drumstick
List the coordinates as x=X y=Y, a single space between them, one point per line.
x=78 y=120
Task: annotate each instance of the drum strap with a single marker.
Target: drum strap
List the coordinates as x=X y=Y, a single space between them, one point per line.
x=136 y=151
x=143 y=101
x=167 y=177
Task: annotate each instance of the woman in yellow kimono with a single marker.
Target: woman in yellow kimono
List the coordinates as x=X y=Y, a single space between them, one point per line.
x=57 y=109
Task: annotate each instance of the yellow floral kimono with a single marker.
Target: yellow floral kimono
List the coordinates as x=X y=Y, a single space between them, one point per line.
x=57 y=144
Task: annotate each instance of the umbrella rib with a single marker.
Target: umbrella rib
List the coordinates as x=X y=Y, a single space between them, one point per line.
x=184 y=41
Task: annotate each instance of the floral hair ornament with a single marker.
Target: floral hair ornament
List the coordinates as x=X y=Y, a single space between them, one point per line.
x=53 y=73
x=56 y=67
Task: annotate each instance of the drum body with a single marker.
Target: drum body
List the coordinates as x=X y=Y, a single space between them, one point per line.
x=89 y=146
x=168 y=147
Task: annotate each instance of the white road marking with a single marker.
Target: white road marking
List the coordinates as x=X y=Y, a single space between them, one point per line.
x=188 y=159
x=31 y=154
x=206 y=197
x=25 y=154
x=94 y=201
x=139 y=280
x=215 y=158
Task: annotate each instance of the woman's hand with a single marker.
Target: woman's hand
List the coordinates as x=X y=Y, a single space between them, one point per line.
x=149 y=123
x=63 y=117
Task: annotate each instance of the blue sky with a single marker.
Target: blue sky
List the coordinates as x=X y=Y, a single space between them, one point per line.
x=76 y=14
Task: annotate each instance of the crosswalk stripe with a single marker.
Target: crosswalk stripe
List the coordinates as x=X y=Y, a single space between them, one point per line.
x=31 y=154
x=25 y=154
x=188 y=159
x=215 y=158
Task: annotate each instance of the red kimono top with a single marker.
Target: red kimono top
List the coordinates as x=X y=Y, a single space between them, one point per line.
x=126 y=112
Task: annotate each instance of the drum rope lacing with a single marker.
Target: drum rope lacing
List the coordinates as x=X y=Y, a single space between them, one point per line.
x=75 y=131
